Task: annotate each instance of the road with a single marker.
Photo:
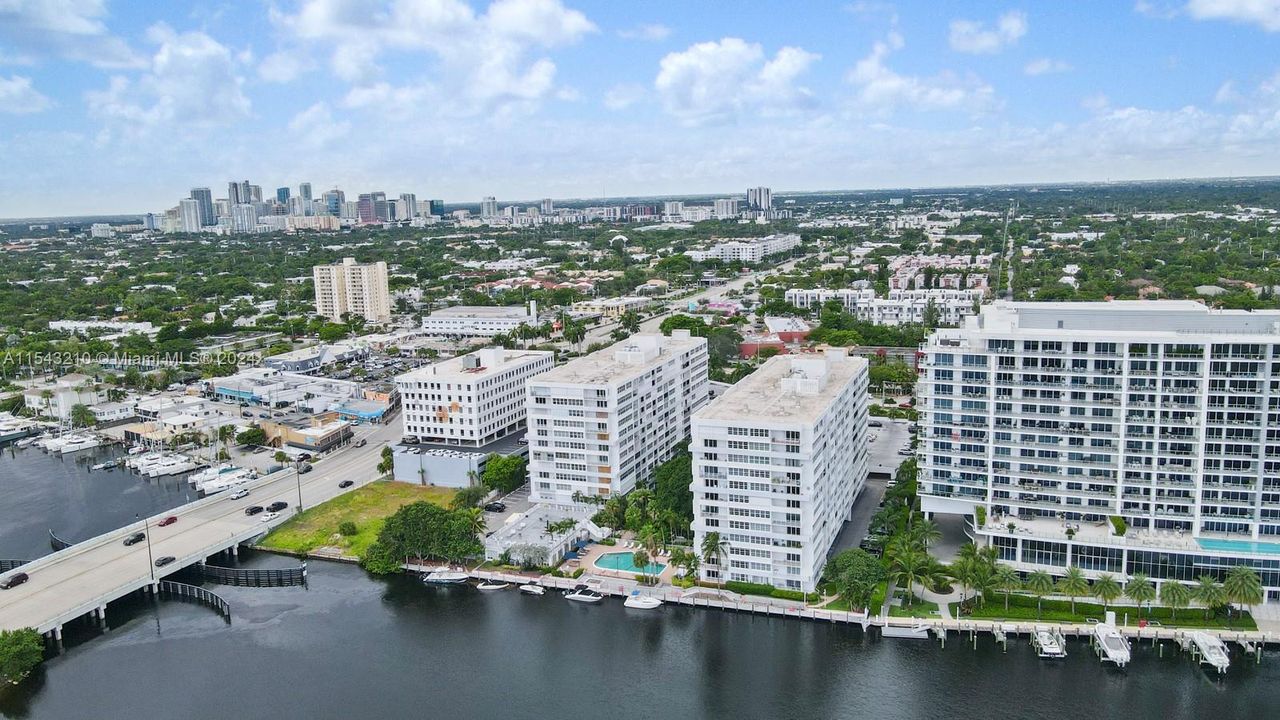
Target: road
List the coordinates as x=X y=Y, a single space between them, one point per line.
x=75 y=581
x=884 y=458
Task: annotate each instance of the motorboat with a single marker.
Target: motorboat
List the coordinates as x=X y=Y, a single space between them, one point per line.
x=137 y=450
x=492 y=585
x=80 y=441
x=108 y=465
x=1049 y=644
x=1110 y=644
x=445 y=576
x=171 y=465
x=532 y=588
x=1211 y=651
x=26 y=442
x=582 y=593
x=141 y=461
x=17 y=429
x=225 y=478
x=641 y=602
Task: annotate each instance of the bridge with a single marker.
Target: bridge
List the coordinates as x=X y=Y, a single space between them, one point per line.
x=81 y=579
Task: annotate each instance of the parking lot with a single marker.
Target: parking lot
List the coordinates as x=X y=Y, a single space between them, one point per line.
x=886 y=441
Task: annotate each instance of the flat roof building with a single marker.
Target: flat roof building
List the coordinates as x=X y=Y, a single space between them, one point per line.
x=354 y=288
x=479 y=320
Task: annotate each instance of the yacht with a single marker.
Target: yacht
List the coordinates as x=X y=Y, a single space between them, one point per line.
x=532 y=588
x=16 y=428
x=141 y=461
x=171 y=465
x=1111 y=646
x=1049 y=644
x=227 y=480
x=445 y=576
x=79 y=441
x=26 y=442
x=1212 y=651
x=492 y=585
x=641 y=602
x=582 y=593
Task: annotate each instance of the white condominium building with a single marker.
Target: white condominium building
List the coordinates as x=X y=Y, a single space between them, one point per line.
x=1119 y=437
x=600 y=424
x=747 y=249
x=778 y=461
x=349 y=287
x=479 y=320
x=471 y=400
x=902 y=306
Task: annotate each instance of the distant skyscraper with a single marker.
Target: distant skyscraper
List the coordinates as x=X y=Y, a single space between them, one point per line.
x=204 y=198
x=380 y=208
x=245 y=193
x=189 y=215
x=150 y=221
x=255 y=193
x=410 y=201
x=333 y=201
x=489 y=207
x=244 y=218
x=282 y=195
x=305 y=191
x=295 y=206
x=726 y=208
x=437 y=207
x=548 y=206
x=759 y=198
x=672 y=208
x=364 y=206
x=233 y=193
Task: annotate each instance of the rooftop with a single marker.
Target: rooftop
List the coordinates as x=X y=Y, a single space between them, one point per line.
x=478 y=364
x=482 y=311
x=1122 y=318
x=786 y=388
x=623 y=360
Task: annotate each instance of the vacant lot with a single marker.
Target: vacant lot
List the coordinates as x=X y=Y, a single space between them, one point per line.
x=366 y=507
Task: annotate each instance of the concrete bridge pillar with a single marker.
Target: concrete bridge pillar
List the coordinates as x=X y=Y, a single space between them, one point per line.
x=56 y=635
x=235 y=550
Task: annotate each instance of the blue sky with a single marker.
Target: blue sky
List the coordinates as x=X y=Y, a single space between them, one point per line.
x=111 y=106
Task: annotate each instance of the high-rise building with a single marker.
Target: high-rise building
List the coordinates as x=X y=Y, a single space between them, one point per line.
x=470 y=400
x=150 y=222
x=349 y=287
x=1118 y=437
x=333 y=200
x=759 y=198
x=381 y=209
x=204 y=200
x=295 y=207
x=365 y=209
x=255 y=194
x=673 y=208
x=410 y=206
x=233 y=193
x=244 y=218
x=489 y=207
x=304 y=190
x=778 y=461
x=189 y=215
x=548 y=206
x=282 y=195
x=726 y=208
x=602 y=423
x=436 y=208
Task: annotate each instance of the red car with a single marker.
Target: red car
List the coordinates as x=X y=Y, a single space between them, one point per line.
x=169 y=520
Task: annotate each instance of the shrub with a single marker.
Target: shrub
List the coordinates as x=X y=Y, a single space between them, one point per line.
x=348 y=528
x=20 y=652
x=980 y=514
x=1119 y=525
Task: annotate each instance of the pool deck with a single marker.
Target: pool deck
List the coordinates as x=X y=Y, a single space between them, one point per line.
x=587 y=560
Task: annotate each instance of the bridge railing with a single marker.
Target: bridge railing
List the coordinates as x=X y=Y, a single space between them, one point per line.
x=57 y=543
x=255 y=577
x=195 y=593
x=7 y=565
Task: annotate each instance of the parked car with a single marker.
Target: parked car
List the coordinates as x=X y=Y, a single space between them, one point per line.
x=346 y=483
x=495 y=507
x=241 y=493
x=277 y=506
x=905 y=405
x=875 y=423
x=14 y=580
x=135 y=538
x=906 y=451
x=270 y=516
x=168 y=521
x=253 y=510
x=361 y=442
x=165 y=560
x=304 y=469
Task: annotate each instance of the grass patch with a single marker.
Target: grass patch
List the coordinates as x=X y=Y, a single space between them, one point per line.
x=1023 y=607
x=918 y=608
x=367 y=507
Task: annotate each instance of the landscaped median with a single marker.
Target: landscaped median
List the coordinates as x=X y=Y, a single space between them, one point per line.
x=365 y=509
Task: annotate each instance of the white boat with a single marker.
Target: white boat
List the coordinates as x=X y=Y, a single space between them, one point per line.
x=1212 y=651
x=26 y=442
x=108 y=465
x=641 y=602
x=915 y=632
x=445 y=576
x=137 y=450
x=222 y=478
x=142 y=461
x=171 y=465
x=582 y=593
x=79 y=441
x=1049 y=644
x=1111 y=646
x=532 y=589
x=492 y=585
x=17 y=429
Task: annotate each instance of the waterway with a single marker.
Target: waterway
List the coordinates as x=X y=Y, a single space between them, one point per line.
x=351 y=646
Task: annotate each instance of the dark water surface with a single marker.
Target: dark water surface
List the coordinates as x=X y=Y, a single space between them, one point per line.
x=348 y=646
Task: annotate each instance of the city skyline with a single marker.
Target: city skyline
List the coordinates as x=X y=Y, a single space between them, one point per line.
x=108 y=107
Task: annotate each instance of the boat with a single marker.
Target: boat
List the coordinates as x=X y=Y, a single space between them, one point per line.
x=170 y=465
x=532 y=588
x=137 y=450
x=445 y=576
x=641 y=602
x=214 y=480
x=1049 y=644
x=1110 y=645
x=108 y=465
x=79 y=441
x=920 y=631
x=1212 y=651
x=26 y=442
x=582 y=593
x=17 y=429
x=492 y=585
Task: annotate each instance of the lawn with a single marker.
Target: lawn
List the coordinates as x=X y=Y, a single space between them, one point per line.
x=367 y=507
x=918 y=608
x=1023 y=607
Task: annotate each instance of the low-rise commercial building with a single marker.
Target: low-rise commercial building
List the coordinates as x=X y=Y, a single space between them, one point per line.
x=479 y=320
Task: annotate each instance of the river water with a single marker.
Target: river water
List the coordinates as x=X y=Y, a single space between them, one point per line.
x=351 y=646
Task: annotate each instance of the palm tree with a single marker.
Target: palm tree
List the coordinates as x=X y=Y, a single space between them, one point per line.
x=983 y=581
x=910 y=569
x=1175 y=595
x=962 y=571
x=1209 y=593
x=926 y=532
x=1006 y=580
x=476 y=521
x=1140 y=590
x=714 y=549
x=640 y=559
x=1073 y=585
x=1242 y=586
x=1106 y=589
x=1039 y=583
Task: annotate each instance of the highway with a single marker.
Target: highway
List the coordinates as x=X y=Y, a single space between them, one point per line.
x=86 y=576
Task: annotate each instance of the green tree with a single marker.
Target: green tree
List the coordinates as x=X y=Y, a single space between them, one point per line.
x=387 y=461
x=1175 y=595
x=714 y=550
x=468 y=497
x=1073 y=585
x=20 y=652
x=253 y=436
x=1140 y=590
x=671 y=490
x=1107 y=589
x=1210 y=594
x=82 y=416
x=504 y=473
x=475 y=520
x=1242 y=586
x=1039 y=583
x=1006 y=580
x=911 y=569
x=640 y=559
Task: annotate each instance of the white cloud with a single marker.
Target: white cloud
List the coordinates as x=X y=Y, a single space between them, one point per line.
x=623 y=96
x=67 y=29
x=714 y=81
x=484 y=59
x=651 y=32
x=192 y=82
x=882 y=90
x=18 y=97
x=1226 y=94
x=973 y=36
x=1046 y=66
x=281 y=67
x=1263 y=13
x=1157 y=10
x=316 y=126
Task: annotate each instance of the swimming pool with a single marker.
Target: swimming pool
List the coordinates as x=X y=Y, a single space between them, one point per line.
x=621 y=561
x=1240 y=546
